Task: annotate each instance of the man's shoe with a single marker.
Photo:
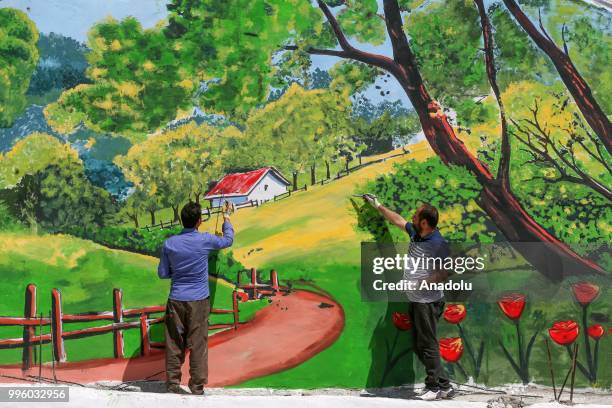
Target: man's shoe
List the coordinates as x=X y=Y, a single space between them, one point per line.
x=448 y=393
x=429 y=395
x=175 y=389
x=198 y=392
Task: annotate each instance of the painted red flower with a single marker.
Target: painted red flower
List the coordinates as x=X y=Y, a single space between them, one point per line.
x=564 y=332
x=455 y=313
x=402 y=321
x=596 y=331
x=243 y=296
x=451 y=349
x=585 y=292
x=512 y=305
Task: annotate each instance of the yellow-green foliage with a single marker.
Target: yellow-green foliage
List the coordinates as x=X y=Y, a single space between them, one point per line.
x=138 y=84
x=18 y=58
x=301 y=128
x=172 y=165
x=33 y=154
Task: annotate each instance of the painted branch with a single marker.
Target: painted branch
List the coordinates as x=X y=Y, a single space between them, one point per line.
x=496 y=200
x=575 y=83
x=503 y=173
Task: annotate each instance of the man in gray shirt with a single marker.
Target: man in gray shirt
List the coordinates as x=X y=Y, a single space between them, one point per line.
x=426 y=306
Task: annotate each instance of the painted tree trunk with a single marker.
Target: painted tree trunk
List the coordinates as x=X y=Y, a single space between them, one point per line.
x=134 y=218
x=496 y=199
x=175 y=210
x=295 y=186
x=152 y=213
x=313 y=178
x=575 y=83
x=327 y=172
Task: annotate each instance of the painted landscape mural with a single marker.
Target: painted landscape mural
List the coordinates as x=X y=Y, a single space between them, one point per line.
x=115 y=114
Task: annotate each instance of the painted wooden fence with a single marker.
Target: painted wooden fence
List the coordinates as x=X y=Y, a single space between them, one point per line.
x=254 y=288
x=138 y=318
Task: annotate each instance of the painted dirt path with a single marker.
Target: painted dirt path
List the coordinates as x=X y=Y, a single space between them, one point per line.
x=289 y=331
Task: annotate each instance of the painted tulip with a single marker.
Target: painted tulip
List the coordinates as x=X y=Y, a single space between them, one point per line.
x=596 y=331
x=564 y=332
x=585 y=292
x=451 y=349
x=455 y=313
x=402 y=321
x=512 y=305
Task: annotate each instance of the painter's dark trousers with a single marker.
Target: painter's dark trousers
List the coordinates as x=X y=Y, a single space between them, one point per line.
x=187 y=328
x=425 y=318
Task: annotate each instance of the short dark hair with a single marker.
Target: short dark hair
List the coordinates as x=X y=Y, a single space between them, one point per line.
x=190 y=214
x=429 y=213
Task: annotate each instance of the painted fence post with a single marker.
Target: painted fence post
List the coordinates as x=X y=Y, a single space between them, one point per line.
x=235 y=308
x=274 y=280
x=29 y=312
x=117 y=318
x=145 y=344
x=57 y=326
x=254 y=282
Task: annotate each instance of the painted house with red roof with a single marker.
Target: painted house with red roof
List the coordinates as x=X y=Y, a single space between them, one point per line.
x=259 y=185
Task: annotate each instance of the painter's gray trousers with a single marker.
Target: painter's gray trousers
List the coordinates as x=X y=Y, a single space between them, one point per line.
x=187 y=328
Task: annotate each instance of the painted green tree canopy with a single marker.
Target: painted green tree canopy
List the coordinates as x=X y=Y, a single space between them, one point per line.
x=18 y=58
x=227 y=57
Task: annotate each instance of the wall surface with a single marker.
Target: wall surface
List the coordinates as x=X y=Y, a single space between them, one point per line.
x=115 y=114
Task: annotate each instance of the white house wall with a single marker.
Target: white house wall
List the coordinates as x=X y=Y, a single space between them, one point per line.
x=275 y=187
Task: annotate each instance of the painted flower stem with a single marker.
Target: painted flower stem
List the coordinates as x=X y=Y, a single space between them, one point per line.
x=582 y=368
x=458 y=364
x=587 y=344
x=470 y=350
x=521 y=354
x=595 y=360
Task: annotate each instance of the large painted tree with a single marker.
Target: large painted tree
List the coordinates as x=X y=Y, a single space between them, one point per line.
x=228 y=48
x=570 y=75
x=173 y=167
x=18 y=58
x=300 y=130
x=43 y=182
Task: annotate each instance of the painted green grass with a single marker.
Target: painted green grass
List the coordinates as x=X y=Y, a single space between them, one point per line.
x=86 y=274
x=358 y=357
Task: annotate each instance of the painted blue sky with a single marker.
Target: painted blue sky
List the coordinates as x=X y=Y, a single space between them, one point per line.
x=74 y=18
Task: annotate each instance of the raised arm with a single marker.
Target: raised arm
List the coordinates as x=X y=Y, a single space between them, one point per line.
x=393 y=217
x=224 y=241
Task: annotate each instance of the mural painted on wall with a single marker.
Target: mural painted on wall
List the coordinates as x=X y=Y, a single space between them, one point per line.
x=112 y=117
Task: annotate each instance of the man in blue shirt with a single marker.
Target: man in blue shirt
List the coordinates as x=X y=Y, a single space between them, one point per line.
x=184 y=260
x=426 y=306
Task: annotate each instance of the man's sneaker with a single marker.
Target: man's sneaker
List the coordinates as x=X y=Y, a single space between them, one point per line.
x=448 y=393
x=201 y=392
x=175 y=389
x=429 y=395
